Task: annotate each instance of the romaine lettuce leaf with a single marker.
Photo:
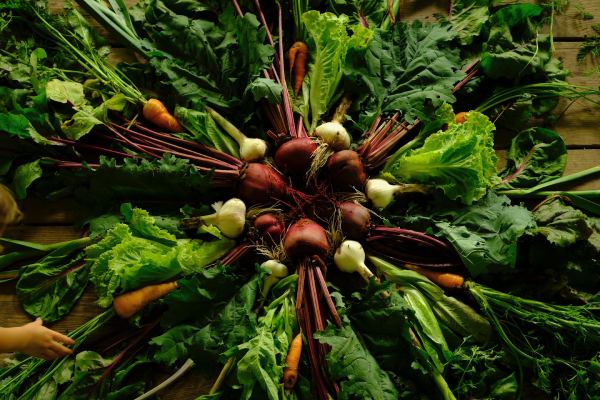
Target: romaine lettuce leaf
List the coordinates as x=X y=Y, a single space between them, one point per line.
x=330 y=42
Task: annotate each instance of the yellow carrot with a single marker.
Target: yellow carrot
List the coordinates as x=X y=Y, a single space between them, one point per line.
x=290 y=373
x=444 y=279
x=128 y=304
x=156 y=112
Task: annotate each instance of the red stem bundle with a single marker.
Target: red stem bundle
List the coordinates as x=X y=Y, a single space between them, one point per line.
x=380 y=142
x=314 y=306
x=408 y=246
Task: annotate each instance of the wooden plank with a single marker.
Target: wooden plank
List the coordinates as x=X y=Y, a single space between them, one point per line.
x=579 y=125
x=569 y=25
x=38 y=211
x=573 y=24
x=43 y=234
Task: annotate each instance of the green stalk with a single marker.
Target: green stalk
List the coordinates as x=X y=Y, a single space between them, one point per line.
x=91 y=60
x=222 y=375
x=558 y=181
x=442 y=386
x=394 y=11
x=590 y=194
x=117 y=22
x=35 y=249
x=10 y=386
x=539 y=90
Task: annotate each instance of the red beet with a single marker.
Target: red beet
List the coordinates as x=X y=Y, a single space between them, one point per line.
x=356 y=220
x=346 y=170
x=306 y=238
x=294 y=157
x=270 y=226
x=262 y=184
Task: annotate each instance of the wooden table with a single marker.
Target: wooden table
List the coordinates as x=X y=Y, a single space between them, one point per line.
x=580 y=127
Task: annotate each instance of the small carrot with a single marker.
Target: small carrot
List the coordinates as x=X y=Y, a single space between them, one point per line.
x=128 y=304
x=156 y=112
x=443 y=279
x=290 y=373
x=460 y=118
x=297 y=58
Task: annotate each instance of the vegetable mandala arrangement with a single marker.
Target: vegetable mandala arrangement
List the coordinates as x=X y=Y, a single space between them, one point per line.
x=361 y=244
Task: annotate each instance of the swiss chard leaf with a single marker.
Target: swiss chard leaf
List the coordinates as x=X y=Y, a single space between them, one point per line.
x=49 y=288
x=535 y=156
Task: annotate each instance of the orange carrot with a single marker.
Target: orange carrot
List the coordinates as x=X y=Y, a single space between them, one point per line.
x=460 y=118
x=130 y=303
x=156 y=112
x=443 y=279
x=290 y=373
x=297 y=58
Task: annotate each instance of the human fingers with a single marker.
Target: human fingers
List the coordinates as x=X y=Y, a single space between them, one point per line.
x=48 y=354
x=59 y=337
x=60 y=350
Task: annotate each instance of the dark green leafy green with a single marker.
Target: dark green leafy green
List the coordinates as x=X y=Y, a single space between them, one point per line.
x=485 y=235
x=563 y=225
x=225 y=324
x=25 y=175
x=205 y=57
x=208 y=288
x=49 y=288
x=576 y=244
x=535 y=156
x=514 y=47
x=411 y=68
x=468 y=19
x=169 y=178
x=350 y=363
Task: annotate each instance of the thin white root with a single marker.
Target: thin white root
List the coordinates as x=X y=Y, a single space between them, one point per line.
x=187 y=365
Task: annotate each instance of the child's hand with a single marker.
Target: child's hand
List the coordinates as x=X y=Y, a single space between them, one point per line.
x=39 y=341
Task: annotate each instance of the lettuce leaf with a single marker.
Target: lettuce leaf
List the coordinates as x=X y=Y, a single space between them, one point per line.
x=330 y=42
x=262 y=357
x=141 y=253
x=460 y=161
